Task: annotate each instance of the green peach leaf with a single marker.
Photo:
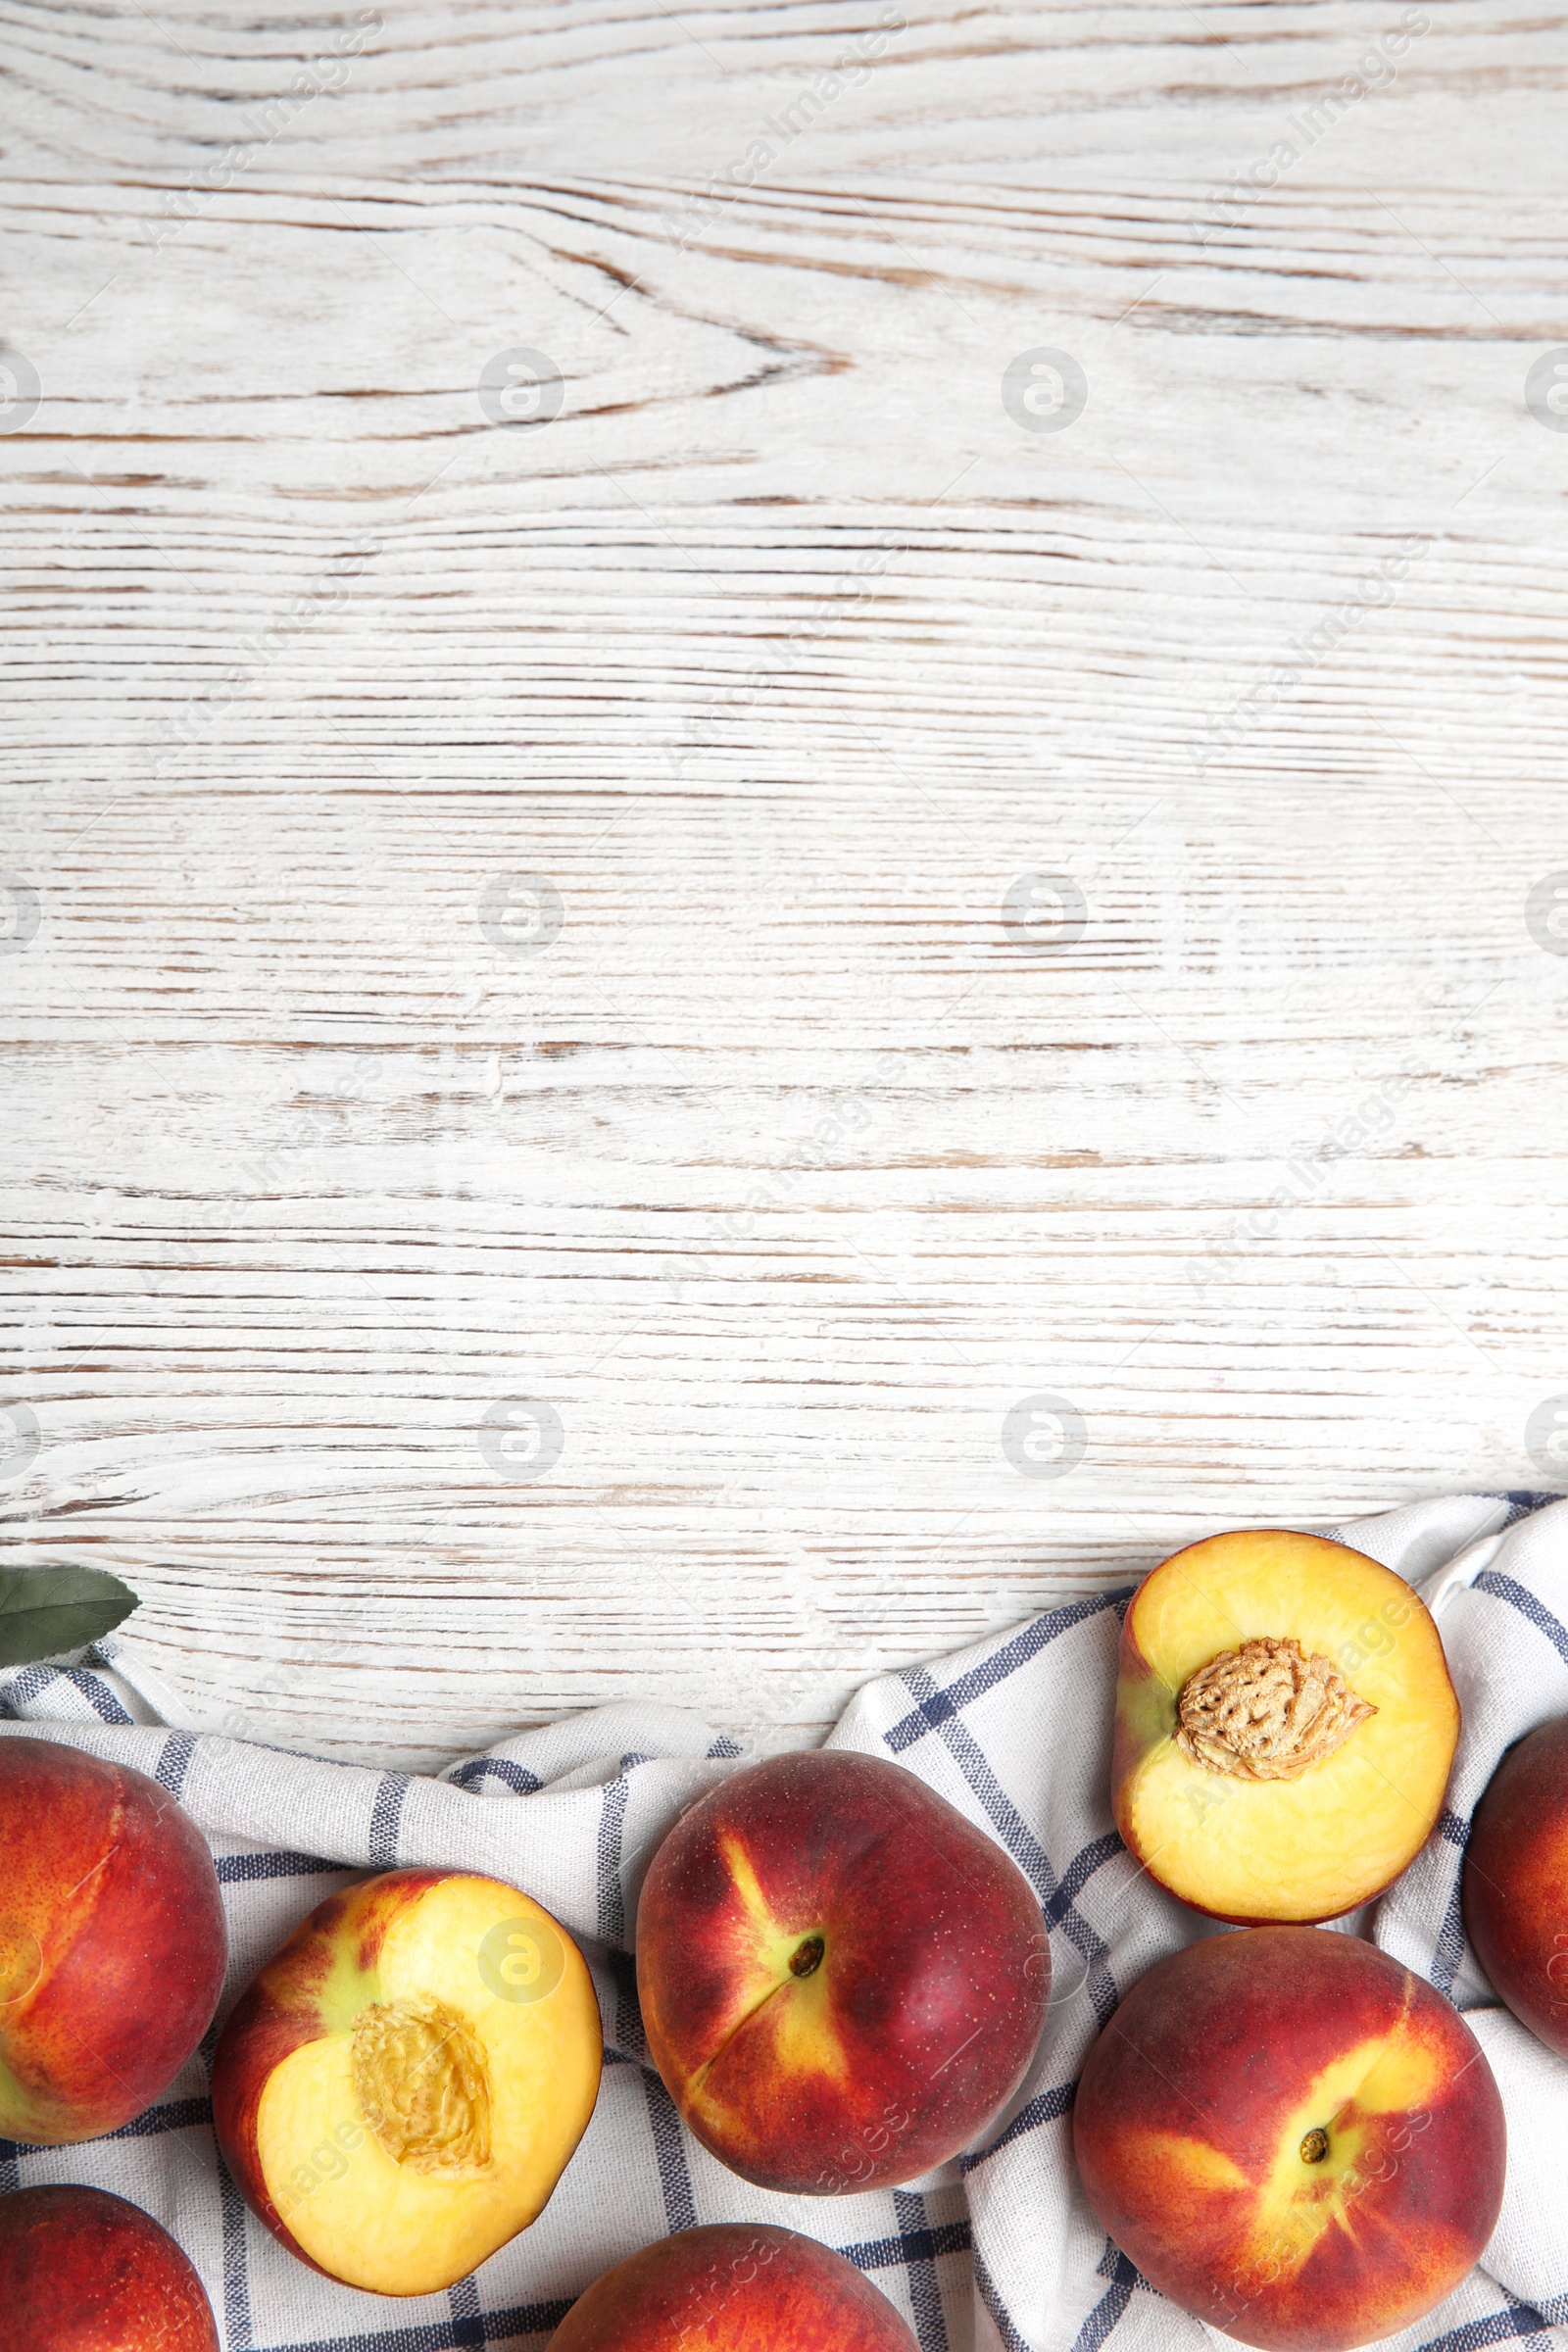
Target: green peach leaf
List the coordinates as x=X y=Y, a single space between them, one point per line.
x=44 y=1612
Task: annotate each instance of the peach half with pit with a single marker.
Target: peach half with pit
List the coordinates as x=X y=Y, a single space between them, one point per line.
x=1285 y=1727
x=403 y=2085
x=1292 y=2138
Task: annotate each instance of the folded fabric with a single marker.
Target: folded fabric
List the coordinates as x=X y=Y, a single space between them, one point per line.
x=998 y=2251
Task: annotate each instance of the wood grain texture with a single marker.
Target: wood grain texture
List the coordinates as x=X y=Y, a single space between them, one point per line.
x=794 y=1159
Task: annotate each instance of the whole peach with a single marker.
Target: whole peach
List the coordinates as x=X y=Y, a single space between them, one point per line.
x=1515 y=1882
x=113 y=1942
x=82 y=2270
x=1292 y=2138
x=733 y=2288
x=842 y=1979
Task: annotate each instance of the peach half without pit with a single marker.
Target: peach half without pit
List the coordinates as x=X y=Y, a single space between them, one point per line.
x=404 y=2084
x=1295 y=2138
x=1285 y=1727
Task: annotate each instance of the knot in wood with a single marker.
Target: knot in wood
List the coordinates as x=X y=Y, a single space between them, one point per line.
x=1264 y=1712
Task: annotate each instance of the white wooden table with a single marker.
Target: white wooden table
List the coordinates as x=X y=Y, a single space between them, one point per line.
x=817 y=1138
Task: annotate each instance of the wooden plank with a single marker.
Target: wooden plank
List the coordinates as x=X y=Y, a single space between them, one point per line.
x=794 y=1161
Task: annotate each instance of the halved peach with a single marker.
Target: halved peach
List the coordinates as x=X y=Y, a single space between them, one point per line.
x=1285 y=1727
x=402 y=2087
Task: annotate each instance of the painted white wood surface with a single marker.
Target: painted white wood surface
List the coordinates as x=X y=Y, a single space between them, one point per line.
x=783 y=652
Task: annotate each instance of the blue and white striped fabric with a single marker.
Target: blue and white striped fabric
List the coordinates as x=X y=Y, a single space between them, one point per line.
x=999 y=2251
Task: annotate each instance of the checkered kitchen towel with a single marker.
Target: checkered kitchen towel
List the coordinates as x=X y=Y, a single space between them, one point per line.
x=998 y=2251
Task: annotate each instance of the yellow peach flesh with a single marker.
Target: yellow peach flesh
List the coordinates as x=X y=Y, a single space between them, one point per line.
x=1310 y=1849
x=410 y=2227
